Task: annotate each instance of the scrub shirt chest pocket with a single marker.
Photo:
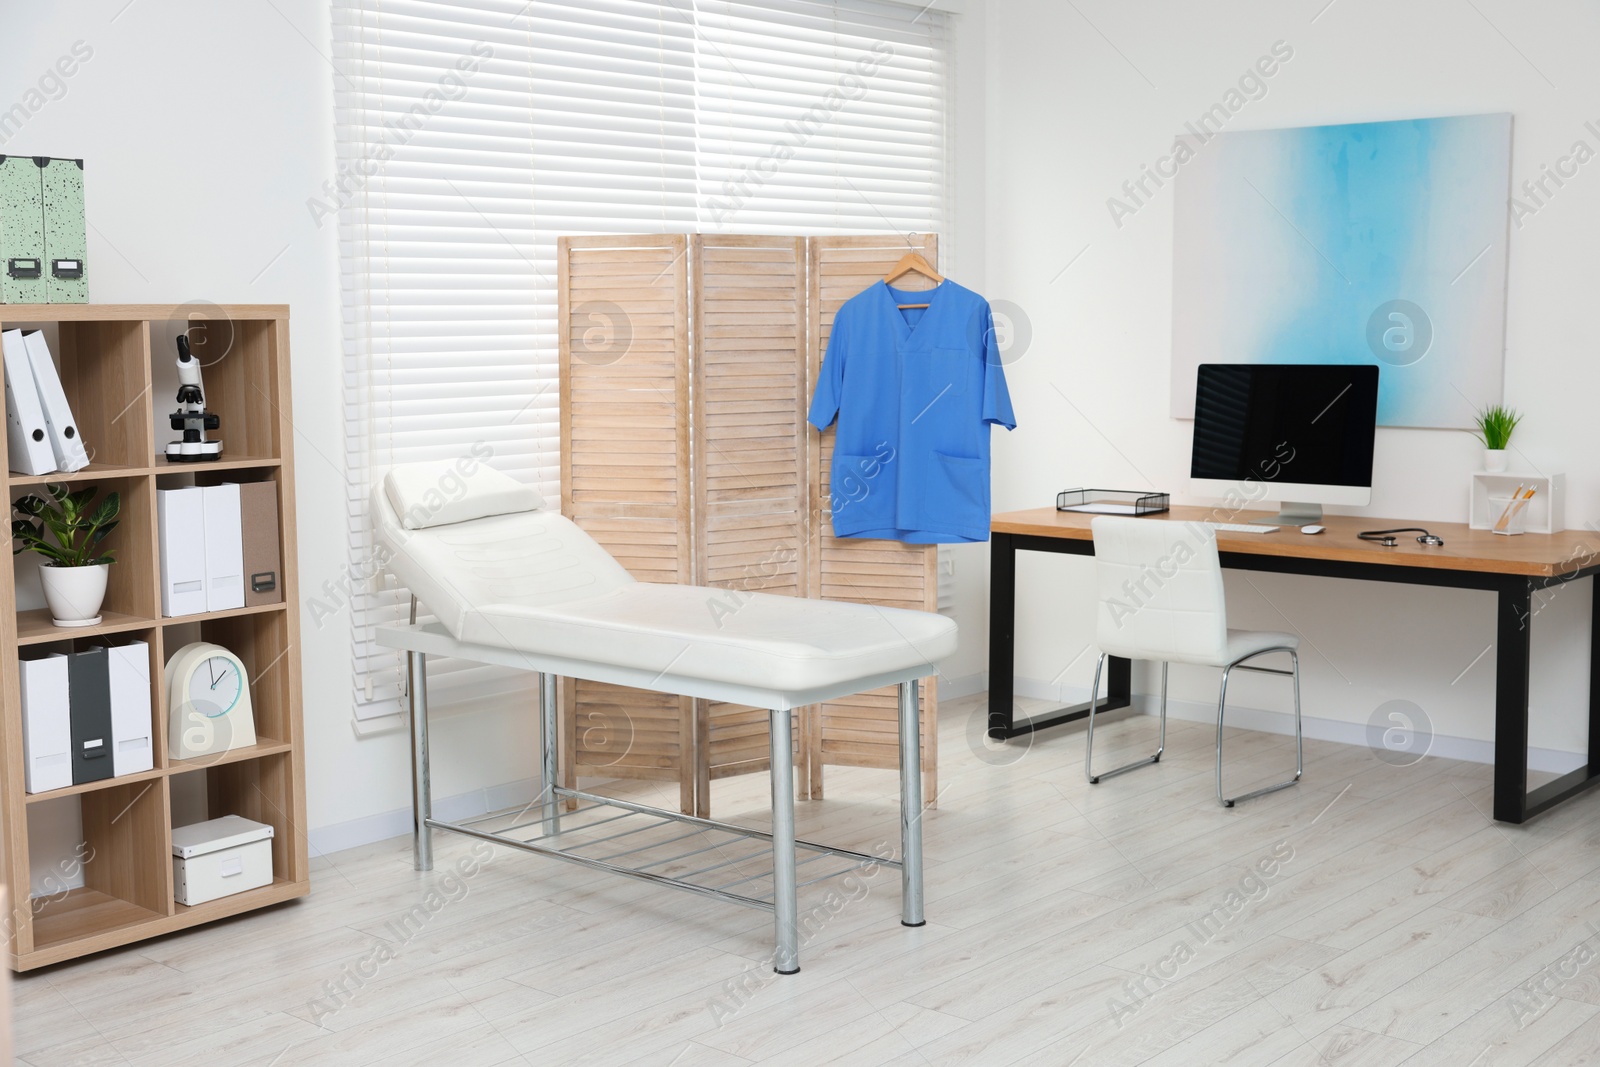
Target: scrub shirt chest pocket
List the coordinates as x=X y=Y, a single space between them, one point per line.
x=946 y=374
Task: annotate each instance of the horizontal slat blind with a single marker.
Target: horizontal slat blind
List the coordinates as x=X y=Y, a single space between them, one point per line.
x=472 y=133
x=443 y=360
x=820 y=117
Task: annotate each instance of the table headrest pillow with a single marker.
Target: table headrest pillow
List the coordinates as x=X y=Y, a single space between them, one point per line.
x=533 y=557
x=424 y=495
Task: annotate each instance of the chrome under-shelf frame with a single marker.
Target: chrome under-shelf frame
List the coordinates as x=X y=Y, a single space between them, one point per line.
x=778 y=857
x=561 y=837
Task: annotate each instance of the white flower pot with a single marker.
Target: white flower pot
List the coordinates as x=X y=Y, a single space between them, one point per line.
x=74 y=594
x=1494 y=460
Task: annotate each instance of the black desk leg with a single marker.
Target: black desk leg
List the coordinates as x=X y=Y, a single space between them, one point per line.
x=1002 y=632
x=1512 y=652
x=1003 y=724
x=1594 y=680
x=1512 y=801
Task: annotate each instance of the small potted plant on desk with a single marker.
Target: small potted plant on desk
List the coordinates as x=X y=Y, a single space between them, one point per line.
x=74 y=573
x=1494 y=430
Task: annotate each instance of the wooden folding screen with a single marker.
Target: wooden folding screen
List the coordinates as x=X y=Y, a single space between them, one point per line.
x=862 y=730
x=661 y=406
x=624 y=333
x=750 y=439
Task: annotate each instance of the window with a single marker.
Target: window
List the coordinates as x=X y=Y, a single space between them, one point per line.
x=472 y=133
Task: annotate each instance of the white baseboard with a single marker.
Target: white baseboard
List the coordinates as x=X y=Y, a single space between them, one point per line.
x=397 y=823
x=1469 y=749
x=965 y=686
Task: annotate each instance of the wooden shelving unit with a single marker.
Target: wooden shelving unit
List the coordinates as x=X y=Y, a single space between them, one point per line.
x=114 y=381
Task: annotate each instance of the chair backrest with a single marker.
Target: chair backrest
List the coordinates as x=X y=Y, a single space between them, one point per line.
x=1159 y=591
x=456 y=564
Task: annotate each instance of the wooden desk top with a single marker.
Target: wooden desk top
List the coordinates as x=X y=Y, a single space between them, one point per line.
x=1465 y=549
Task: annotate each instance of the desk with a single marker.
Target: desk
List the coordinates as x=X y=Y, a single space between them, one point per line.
x=1514 y=568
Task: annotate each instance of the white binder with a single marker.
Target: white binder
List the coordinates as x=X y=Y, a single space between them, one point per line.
x=224 y=548
x=26 y=435
x=65 y=442
x=46 y=724
x=180 y=517
x=131 y=747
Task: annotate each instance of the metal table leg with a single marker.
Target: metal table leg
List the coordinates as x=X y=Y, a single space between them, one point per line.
x=785 y=895
x=549 y=743
x=910 y=807
x=421 y=787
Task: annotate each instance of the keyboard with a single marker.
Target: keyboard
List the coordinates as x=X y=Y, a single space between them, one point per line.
x=1239 y=527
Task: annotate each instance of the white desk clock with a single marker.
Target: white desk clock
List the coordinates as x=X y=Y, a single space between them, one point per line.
x=208 y=701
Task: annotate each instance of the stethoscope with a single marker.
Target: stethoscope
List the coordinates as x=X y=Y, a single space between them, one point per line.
x=1388 y=539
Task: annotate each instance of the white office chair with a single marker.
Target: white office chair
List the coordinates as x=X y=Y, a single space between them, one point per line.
x=1160 y=598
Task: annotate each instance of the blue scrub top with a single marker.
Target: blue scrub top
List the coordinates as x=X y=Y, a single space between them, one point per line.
x=915 y=393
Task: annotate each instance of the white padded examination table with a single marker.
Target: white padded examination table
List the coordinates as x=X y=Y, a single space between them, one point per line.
x=513 y=583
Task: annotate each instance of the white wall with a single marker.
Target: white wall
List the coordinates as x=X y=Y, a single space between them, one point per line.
x=1079 y=96
x=204 y=128
x=964 y=257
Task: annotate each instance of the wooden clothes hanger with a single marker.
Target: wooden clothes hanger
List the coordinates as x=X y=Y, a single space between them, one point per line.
x=912 y=263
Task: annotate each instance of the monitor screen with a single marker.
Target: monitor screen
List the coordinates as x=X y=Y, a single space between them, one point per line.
x=1311 y=424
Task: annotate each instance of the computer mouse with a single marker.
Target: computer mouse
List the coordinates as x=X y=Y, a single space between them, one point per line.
x=1312 y=529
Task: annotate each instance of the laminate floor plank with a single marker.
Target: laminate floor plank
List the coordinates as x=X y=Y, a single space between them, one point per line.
x=1373 y=915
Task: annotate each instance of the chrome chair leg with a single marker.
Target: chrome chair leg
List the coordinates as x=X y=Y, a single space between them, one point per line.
x=1088 y=752
x=1299 y=738
x=1161 y=741
x=1299 y=732
x=1222 y=703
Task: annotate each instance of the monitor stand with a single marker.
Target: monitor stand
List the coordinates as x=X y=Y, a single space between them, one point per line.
x=1293 y=513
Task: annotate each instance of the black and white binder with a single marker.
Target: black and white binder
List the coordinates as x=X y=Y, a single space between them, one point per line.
x=66 y=444
x=26 y=435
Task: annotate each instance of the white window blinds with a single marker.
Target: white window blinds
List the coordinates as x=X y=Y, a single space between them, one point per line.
x=472 y=133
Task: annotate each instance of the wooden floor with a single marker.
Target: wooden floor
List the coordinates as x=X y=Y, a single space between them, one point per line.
x=1373 y=915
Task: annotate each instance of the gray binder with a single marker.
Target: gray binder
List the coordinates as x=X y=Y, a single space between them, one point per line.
x=89 y=694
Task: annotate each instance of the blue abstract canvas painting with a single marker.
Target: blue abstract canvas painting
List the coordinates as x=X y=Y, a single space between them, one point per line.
x=1377 y=242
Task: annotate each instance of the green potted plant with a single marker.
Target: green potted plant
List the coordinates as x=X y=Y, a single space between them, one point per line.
x=75 y=568
x=1495 y=425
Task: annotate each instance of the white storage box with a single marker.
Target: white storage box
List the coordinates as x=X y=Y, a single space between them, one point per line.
x=220 y=858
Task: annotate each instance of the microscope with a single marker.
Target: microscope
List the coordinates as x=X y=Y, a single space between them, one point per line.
x=192 y=418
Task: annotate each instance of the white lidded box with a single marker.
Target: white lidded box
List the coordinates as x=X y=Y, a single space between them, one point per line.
x=220 y=858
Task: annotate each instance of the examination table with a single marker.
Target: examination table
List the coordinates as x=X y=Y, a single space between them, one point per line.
x=513 y=583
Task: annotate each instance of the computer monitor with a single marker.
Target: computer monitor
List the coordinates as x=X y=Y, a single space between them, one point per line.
x=1299 y=434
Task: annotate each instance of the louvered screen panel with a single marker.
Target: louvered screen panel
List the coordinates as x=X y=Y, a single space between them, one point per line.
x=751 y=490
x=623 y=322
x=862 y=731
